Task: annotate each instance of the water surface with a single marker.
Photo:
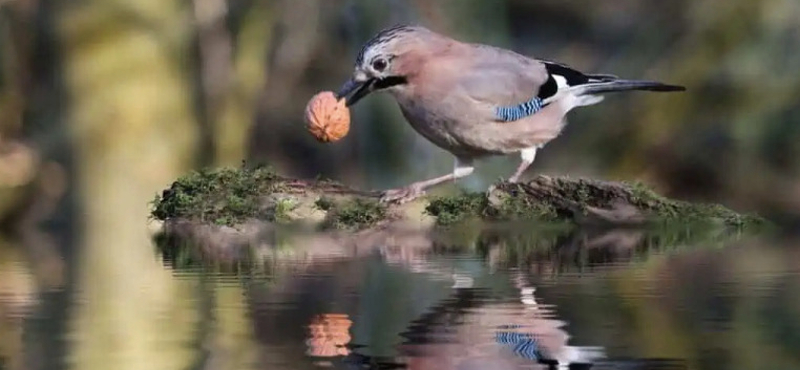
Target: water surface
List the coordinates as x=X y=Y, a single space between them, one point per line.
x=499 y=299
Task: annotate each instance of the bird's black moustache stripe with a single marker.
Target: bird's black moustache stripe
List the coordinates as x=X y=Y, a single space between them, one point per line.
x=385 y=83
x=354 y=91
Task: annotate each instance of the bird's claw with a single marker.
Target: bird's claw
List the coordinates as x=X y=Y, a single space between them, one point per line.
x=401 y=195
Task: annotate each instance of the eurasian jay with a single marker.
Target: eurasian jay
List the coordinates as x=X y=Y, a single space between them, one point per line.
x=475 y=100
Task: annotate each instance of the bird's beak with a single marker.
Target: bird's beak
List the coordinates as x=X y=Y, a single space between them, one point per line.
x=355 y=89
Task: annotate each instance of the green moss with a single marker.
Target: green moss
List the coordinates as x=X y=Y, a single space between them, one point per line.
x=452 y=209
x=228 y=196
x=527 y=209
x=557 y=200
x=668 y=210
x=513 y=203
x=355 y=214
x=554 y=199
x=282 y=209
x=223 y=196
x=324 y=203
x=449 y=210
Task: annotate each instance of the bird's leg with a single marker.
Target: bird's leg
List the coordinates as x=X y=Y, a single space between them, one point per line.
x=462 y=168
x=528 y=155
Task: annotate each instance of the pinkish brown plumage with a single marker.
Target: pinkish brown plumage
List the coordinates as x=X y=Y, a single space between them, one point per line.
x=475 y=100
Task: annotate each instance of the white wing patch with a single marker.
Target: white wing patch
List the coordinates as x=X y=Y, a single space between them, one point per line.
x=561 y=81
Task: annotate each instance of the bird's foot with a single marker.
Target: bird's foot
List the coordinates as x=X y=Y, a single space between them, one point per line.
x=402 y=195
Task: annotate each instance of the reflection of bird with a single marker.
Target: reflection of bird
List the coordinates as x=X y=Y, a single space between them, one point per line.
x=462 y=281
x=524 y=345
x=475 y=100
x=542 y=338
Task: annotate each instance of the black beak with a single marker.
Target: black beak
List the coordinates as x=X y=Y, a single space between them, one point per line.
x=353 y=90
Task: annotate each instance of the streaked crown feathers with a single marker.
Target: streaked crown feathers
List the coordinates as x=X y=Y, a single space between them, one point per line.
x=384 y=38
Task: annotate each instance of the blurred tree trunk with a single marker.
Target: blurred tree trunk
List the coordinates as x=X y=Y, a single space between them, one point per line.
x=233 y=72
x=300 y=29
x=18 y=294
x=133 y=131
x=18 y=161
x=229 y=338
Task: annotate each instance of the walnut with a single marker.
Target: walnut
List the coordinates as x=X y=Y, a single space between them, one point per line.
x=326 y=118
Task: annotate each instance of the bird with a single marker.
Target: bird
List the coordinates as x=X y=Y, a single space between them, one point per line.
x=475 y=100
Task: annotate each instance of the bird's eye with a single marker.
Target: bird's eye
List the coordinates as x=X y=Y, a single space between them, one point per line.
x=379 y=64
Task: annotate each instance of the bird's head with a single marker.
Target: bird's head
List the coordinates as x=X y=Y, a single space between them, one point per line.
x=384 y=62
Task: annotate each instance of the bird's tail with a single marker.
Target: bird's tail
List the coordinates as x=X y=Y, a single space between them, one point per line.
x=591 y=93
x=624 y=85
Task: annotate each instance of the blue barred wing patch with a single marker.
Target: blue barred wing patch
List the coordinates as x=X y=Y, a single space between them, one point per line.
x=524 y=345
x=515 y=112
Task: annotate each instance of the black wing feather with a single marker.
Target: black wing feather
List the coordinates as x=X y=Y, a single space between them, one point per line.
x=571 y=75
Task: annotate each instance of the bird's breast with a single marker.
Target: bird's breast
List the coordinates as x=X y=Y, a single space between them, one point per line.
x=439 y=126
x=469 y=128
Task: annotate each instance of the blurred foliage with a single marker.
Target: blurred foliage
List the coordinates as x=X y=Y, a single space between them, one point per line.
x=243 y=70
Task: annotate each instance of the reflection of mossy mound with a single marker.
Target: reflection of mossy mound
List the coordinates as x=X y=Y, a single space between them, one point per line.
x=229 y=197
x=285 y=252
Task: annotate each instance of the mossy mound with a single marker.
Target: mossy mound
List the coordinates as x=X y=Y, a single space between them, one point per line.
x=583 y=201
x=232 y=196
x=224 y=196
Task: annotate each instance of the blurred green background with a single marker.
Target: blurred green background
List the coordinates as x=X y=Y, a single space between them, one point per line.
x=120 y=97
x=104 y=102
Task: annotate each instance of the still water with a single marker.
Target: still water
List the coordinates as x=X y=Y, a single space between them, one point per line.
x=496 y=299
